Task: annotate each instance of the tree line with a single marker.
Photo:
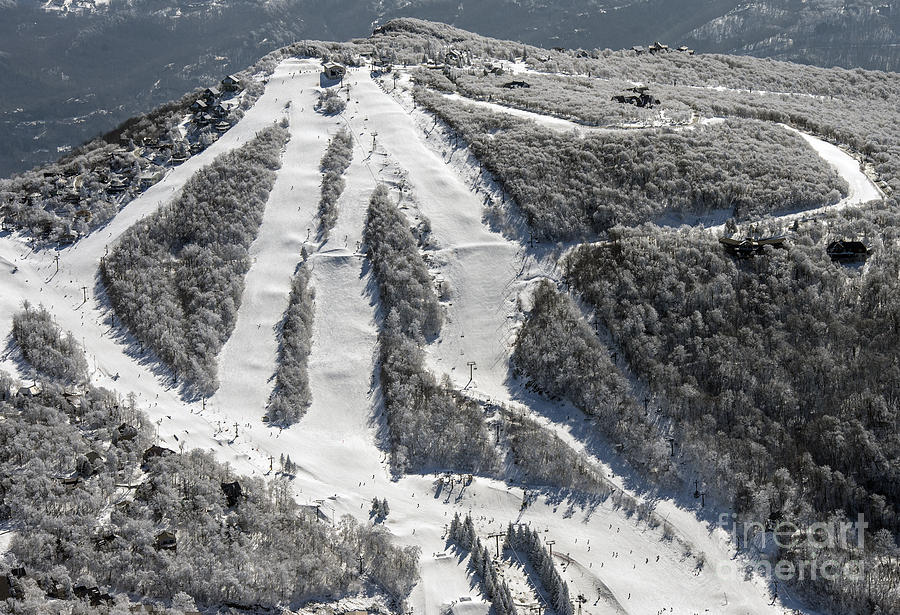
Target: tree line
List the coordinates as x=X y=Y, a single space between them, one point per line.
x=334 y=163
x=525 y=539
x=462 y=532
x=292 y=396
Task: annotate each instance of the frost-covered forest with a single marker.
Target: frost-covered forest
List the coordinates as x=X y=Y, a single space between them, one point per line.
x=175 y=278
x=64 y=467
x=777 y=373
x=614 y=378
x=570 y=185
x=335 y=161
x=430 y=425
x=50 y=352
x=291 y=395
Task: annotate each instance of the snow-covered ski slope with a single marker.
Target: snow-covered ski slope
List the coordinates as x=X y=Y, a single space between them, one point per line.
x=337 y=444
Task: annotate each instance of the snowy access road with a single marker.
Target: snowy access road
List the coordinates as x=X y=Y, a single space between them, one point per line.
x=861 y=188
x=338 y=444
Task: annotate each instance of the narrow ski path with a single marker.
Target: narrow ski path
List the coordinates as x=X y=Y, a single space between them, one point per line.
x=247 y=361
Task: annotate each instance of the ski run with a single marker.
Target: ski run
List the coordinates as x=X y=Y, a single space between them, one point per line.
x=618 y=564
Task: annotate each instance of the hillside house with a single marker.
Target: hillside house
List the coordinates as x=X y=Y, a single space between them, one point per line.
x=198 y=106
x=638 y=96
x=222 y=126
x=844 y=250
x=211 y=95
x=203 y=119
x=156 y=451
x=116 y=184
x=685 y=49
x=92 y=594
x=750 y=246
x=334 y=71
x=166 y=541
x=231 y=84
x=638 y=49
x=516 y=85
x=151 y=177
x=657 y=47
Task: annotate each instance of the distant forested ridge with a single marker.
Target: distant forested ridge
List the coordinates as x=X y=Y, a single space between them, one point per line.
x=176 y=277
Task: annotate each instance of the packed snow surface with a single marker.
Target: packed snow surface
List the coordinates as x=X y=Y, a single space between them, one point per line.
x=620 y=566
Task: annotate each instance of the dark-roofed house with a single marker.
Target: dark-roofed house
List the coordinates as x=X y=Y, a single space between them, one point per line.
x=156 y=451
x=750 y=246
x=844 y=250
x=211 y=94
x=515 y=85
x=199 y=105
x=231 y=83
x=166 y=541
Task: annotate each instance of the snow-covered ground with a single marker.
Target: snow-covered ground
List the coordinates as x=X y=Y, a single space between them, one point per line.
x=337 y=444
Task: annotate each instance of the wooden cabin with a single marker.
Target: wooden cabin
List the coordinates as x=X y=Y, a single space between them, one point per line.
x=231 y=84
x=211 y=95
x=844 y=250
x=750 y=246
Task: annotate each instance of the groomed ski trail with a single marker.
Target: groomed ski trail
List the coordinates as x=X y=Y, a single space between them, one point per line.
x=247 y=361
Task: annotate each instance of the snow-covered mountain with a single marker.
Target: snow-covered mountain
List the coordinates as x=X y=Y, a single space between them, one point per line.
x=458 y=314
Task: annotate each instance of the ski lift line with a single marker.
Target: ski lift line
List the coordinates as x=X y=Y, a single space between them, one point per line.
x=359 y=143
